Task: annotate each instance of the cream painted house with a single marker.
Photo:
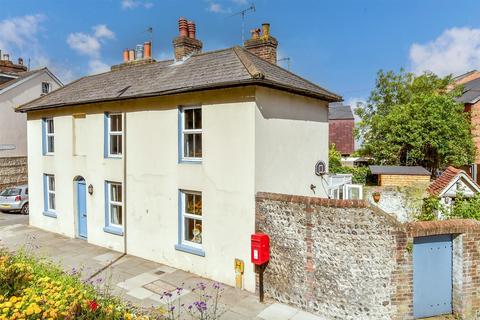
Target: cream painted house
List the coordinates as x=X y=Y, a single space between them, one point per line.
x=162 y=160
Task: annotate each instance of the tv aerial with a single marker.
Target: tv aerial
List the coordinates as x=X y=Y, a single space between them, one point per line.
x=243 y=14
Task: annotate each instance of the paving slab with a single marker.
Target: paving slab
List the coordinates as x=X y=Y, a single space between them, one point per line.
x=278 y=311
x=139 y=281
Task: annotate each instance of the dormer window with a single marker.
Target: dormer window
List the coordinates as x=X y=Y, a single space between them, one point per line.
x=46 y=87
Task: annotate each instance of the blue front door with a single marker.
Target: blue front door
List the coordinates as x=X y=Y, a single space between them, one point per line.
x=82 y=209
x=432 y=276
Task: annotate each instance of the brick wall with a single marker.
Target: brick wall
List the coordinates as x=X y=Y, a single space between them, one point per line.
x=342 y=259
x=401 y=180
x=341 y=134
x=13 y=171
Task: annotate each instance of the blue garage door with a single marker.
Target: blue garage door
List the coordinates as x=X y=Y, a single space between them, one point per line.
x=432 y=276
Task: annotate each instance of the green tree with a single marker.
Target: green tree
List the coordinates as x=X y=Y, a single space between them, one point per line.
x=359 y=174
x=415 y=120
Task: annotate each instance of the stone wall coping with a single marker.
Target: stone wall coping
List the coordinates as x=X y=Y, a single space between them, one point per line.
x=336 y=203
x=451 y=226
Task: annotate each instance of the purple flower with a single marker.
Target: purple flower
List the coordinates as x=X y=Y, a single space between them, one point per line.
x=200 y=305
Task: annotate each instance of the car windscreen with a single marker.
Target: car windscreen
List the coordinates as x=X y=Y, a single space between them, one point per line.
x=10 y=192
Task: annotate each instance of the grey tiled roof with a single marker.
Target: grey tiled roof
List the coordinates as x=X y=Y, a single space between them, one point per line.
x=217 y=69
x=21 y=76
x=339 y=111
x=471 y=92
x=400 y=170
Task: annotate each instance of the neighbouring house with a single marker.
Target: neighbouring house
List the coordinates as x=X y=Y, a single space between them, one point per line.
x=451 y=184
x=163 y=159
x=470 y=98
x=341 y=125
x=400 y=176
x=18 y=86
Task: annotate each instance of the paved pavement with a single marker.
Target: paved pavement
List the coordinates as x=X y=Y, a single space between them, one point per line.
x=137 y=280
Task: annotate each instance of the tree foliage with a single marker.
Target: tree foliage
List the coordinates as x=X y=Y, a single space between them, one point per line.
x=359 y=174
x=415 y=120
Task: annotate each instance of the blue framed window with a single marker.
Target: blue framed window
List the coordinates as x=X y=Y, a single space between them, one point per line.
x=49 y=201
x=48 y=136
x=190 y=222
x=113 y=135
x=113 y=208
x=190 y=134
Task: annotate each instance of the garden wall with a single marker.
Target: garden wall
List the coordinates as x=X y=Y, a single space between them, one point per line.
x=343 y=259
x=13 y=171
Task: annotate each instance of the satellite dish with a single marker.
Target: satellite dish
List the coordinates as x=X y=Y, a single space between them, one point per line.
x=320 y=168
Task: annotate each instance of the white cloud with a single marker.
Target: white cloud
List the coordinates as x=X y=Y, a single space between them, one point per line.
x=84 y=43
x=90 y=45
x=97 y=66
x=240 y=2
x=20 y=32
x=216 y=7
x=132 y=4
x=455 y=51
x=101 y=31
x=19 y=37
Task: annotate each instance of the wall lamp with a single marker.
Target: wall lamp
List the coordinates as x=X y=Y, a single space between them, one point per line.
x=90 y=189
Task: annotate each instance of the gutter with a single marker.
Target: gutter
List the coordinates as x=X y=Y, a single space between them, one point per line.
x=258 y=82
x=124 y=183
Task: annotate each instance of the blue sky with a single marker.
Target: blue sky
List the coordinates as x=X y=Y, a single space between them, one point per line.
x=338 y=44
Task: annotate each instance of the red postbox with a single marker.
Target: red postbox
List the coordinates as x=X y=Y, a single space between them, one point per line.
x=260 y=248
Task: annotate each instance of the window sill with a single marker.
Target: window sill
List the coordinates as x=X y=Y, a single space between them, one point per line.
x=113 y=230
x=188 y=249
x=49 y=154
x=113 y=157
x=50 y=214
x=196 y=161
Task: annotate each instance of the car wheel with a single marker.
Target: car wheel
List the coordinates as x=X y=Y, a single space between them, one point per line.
x=25 y=209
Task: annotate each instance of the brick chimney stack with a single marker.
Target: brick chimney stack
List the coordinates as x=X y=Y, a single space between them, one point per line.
x=6 y=65
x=263 y=45
x=186 y=43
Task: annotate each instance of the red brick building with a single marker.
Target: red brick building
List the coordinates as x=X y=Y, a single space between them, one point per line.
x=341 y=125
x=471 y=100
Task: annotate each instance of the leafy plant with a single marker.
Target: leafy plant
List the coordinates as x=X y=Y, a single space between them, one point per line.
x=415 y=120
x=466 y=208
x=359 y=174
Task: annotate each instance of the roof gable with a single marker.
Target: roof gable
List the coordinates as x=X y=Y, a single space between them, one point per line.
x=211 y=70
x=24 y=77
x=448 y=180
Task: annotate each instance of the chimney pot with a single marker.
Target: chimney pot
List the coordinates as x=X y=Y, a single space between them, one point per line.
x=125 y=55
x=183 y=27
x=191 y=29
x=147 y=50
x=186 y=43
x=6 y=57
x=264 y=46
x=131 y=55
x=139 y=52
x=266 y=30
x=255 y=33
x=20 y=61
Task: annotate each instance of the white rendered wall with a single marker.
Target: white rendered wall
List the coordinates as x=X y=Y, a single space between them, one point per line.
x=66 y=167
x=225 y=177
x=13 y=126
x=291 y=135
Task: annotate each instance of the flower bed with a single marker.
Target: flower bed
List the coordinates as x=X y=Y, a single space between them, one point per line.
x=35 y=289
x=32 y=288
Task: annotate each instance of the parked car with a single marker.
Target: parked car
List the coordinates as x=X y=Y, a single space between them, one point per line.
x=14 y=199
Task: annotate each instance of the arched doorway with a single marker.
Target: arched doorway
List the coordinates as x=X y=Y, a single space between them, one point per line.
x=81 y=207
